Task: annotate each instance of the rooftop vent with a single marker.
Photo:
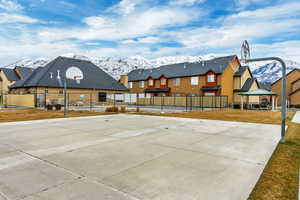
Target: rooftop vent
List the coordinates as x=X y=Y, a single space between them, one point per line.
x=58 y=74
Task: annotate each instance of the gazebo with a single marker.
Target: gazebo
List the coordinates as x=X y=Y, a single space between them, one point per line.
x=259 y=92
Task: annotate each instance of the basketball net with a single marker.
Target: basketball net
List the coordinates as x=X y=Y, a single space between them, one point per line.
x=77 y=79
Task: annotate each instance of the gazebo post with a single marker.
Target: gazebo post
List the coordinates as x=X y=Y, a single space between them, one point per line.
x=273 y=103
x=242 y=102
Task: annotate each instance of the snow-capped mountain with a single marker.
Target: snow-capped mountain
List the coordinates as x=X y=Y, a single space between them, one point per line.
x=117 y=66
x=263 y=71
x=271 y=71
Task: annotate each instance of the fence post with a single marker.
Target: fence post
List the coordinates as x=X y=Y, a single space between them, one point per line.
x=186 y=103
x=91 y=102
x=161 y=103
x=215 y=101
x=114 y=100
x=65 y=98
x=191 y=102
x=137 y=101
x=45 y=100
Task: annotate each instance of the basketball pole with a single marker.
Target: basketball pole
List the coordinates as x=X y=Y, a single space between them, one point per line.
x=245 y=56
x=283 y=90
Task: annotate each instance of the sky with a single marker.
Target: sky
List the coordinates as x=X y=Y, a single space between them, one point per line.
x=148 y=28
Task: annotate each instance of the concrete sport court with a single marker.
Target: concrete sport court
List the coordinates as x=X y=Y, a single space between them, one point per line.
x=123 y=156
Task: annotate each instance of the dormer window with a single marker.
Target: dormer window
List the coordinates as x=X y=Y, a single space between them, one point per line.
x=163 y=81
x=150 y=82
x=211 y=78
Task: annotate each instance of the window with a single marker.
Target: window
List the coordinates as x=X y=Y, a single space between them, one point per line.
x=194 y=80
x=102 y=97
x=46 y=91
x=150 y=82
x=142 y=84
x=209 y=94
x=61 y=91
x=211 y=78
x=130 y=85
x=163 y=81
x=176 y=82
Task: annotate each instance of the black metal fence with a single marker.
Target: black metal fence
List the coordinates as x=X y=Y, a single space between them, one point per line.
x=99 y=101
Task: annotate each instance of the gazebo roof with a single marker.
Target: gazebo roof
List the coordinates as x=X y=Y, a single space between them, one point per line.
x=259 y=92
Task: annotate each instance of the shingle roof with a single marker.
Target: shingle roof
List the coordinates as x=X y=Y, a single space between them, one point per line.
x=94 y=77
x=10 y=74
x=217 y=65
x=25 y=71
x=265 y=85
x=241 y=70
x=247 y=85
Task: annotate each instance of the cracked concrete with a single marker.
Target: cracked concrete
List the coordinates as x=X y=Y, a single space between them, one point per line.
x=132 y=157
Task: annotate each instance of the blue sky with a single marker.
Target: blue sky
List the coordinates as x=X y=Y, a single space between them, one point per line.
x=48 y=28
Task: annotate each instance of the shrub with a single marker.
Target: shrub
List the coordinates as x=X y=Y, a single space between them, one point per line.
x=137 y=109
x=112 y=109
x=123 y=109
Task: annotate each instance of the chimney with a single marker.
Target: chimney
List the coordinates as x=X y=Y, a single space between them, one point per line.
x=124 y=80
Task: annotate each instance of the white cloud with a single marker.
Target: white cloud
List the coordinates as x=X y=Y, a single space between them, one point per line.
x=185 y=2
x=149 y=40
x=251 y=25
x=124 y=7
x=288 y=50
x=10 y=5
x=135 y=25
x=16 y=18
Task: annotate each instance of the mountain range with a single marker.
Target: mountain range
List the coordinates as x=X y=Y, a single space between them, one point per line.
x=264 y=71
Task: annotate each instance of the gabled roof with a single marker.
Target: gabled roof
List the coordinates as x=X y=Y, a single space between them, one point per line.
x=10 y=74
x=217 y=65
x=286 y=75
x=93 y=76
x=247 y=85
x=265 y=85
x=241 y=71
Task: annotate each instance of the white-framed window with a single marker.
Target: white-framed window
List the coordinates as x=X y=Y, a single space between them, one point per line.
x=163 y=81
x=46 y=91
x=194 y=80
x=176 y=82
x=209 y=94
x=150 y=82
x=130 y=85
x=142 y=84
x=211 y=78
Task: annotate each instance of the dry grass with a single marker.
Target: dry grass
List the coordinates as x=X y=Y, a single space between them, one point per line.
x=34 y=114
x=266 y=117
x=280 y=178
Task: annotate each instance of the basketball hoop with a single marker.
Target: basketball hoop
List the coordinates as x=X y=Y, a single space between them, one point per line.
x=74 y=73
x=245 y=51
x=77 y=79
